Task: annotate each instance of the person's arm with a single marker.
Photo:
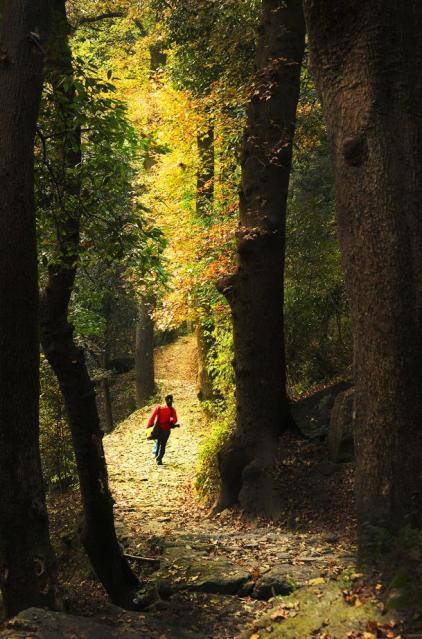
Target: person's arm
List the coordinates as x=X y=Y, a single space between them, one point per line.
x=154 y=414
x=174 y=416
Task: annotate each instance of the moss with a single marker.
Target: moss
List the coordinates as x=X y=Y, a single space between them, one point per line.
x=320 y=609
x=404 y=590
x=207 y=480
x=397 y=557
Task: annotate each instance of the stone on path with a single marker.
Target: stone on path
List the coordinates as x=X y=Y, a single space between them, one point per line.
x=282 y=580
x=193 y=573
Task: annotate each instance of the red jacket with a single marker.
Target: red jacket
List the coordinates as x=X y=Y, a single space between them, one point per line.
x=166 y=417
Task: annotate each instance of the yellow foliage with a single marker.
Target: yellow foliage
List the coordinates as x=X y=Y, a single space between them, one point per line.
x=170 y=118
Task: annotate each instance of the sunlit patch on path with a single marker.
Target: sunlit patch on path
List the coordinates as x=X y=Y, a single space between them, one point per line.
x=151 y=498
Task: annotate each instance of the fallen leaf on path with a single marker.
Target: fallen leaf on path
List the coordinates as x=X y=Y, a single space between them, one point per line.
x=318 y=581
x=281 y=613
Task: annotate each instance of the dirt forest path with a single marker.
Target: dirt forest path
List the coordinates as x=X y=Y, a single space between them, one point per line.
x=149 y=497
x=222 y=573
x=157 y=504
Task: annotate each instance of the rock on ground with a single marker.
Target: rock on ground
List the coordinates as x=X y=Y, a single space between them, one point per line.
x=318 y=611
x=36 y=623
x=312 y=414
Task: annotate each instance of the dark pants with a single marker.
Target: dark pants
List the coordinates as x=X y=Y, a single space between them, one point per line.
x=160 y=444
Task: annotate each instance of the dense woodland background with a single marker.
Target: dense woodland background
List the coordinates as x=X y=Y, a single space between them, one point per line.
x=166 y=168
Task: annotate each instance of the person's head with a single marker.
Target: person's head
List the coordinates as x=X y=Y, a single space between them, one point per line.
x=169 y=400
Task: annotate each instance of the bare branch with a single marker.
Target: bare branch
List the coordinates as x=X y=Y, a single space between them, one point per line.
x=155 y=560
x=102 y=16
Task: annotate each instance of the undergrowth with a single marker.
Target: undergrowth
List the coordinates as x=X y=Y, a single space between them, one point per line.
x=58 y=461
x=221 y=425
x=220 y=413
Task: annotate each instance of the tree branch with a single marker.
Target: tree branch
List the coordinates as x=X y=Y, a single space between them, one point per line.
x=155 y=560
x=102 y=16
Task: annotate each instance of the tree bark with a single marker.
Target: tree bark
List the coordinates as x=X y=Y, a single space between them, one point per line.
x=255 y=291
x=27 y=566
x=366 y=58
x=68 y=361
x=144 y=354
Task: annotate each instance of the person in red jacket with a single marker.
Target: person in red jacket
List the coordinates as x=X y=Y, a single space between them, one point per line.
x=166 y=419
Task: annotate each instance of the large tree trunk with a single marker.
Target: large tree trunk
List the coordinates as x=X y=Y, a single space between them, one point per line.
x=68 y=361
x=367 y=58
x=255 y=292
x=144 y=354
x=27 y=570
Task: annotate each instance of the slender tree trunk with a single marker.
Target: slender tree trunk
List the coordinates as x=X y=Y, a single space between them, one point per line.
x=27 y=568
x=255 y=291
x=204 y=382
x=108 y=405
x=205 y=183
x=144 y=354
x=107 y=306
x=367 y=58
x=205 y=174
x=68 y=361
x=158 y=57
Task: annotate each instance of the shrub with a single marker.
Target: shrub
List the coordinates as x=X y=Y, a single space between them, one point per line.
x=221 y=427
x=59 y=467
